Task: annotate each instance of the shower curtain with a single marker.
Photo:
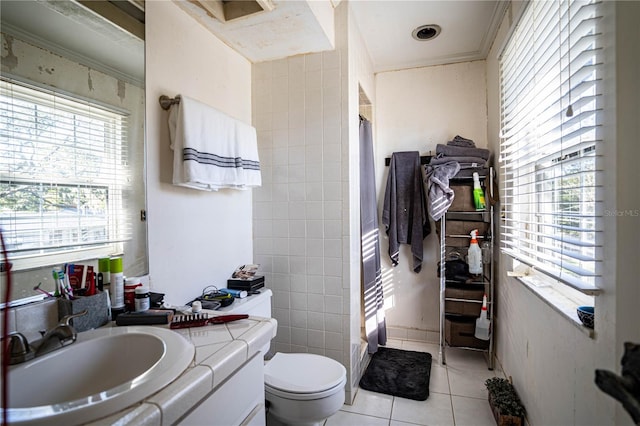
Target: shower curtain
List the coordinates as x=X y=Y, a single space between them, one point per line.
x=375 y=324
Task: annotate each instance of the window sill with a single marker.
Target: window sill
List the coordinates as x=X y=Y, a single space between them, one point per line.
x=72 y=256
x=562 y=301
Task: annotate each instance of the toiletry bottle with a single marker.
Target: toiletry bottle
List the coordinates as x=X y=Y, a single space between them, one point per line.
x=142 y=302
x=103 y=273
x=91 y=282
x=130 y=285
x=474 y=256
x=117 y=284
x=478 y=193
x=482 y=323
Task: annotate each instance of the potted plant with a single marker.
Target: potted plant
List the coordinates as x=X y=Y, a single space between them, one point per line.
x=505 y=403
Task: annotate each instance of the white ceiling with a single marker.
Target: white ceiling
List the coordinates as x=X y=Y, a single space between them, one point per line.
x=468 y=28
x=290 y=28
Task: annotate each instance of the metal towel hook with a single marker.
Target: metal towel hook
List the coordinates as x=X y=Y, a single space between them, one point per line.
x=166 y=101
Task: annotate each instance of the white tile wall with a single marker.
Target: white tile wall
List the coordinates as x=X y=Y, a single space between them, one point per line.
x=32 y=318
x=303 y=109
x=298 y=213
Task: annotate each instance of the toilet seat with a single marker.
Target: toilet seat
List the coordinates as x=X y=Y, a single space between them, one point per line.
x=303 y=376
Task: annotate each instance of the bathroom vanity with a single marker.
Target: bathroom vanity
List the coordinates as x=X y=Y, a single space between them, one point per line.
x=223 y=385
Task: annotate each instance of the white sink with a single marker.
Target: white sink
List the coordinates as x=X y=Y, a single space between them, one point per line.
x=103 y=372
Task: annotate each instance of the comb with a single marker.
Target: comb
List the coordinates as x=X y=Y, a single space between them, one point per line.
x=200 y=320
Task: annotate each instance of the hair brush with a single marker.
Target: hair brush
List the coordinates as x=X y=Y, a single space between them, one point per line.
x=200 y=320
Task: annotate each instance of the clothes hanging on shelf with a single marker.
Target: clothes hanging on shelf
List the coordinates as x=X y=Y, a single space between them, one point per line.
x=405 y=209
x=439 y=194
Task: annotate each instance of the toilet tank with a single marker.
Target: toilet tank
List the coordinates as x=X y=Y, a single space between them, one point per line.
x=258 y=305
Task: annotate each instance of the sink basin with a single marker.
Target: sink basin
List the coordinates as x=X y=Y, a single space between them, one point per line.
x=103 y=372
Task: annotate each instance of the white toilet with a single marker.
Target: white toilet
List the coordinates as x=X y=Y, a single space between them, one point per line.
x=300 y=388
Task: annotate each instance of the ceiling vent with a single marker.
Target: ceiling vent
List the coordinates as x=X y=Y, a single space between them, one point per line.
x=426 y=32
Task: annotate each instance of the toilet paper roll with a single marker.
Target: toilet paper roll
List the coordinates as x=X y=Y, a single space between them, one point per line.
x=196 y=306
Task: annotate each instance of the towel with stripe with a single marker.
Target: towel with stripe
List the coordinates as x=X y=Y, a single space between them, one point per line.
x=439 y=193
x=212 y=151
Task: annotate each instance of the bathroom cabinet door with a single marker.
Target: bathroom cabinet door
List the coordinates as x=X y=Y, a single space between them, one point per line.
x=237 y=401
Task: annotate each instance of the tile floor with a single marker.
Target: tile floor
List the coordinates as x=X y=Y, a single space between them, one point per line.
x=457 y=395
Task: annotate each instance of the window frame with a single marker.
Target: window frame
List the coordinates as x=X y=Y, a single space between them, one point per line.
x=510 y=244
x=114 y=245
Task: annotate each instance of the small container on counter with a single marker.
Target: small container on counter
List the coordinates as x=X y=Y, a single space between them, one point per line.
x=142 y=302
x=130 y=285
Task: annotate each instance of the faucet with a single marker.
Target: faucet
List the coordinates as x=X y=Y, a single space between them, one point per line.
x=19 y=349
x=61 y=335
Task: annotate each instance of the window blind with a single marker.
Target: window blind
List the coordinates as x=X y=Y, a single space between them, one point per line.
x=63 y=170
x=551 y=141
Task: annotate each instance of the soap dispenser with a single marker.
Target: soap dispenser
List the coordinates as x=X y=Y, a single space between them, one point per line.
x=474 y=256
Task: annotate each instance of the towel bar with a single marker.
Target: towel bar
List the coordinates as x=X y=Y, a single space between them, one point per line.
x=166 y=102
x=424 y=159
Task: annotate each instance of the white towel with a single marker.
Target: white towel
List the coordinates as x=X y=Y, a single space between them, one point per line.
x=211 y=150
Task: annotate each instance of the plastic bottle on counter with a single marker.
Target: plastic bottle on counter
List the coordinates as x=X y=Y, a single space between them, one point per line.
x=142 y=301
x=103 y=279
x=116 y=286
x=130 y=285
x=91 y=282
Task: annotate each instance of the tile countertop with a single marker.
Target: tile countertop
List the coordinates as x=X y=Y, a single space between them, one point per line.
x=220 y=350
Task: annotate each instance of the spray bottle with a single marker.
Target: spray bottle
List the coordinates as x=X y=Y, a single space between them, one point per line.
x=482 y=323
x=478 y=193
x=474 y=256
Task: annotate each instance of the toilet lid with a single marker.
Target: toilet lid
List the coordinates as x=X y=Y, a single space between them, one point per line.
x=303 y=373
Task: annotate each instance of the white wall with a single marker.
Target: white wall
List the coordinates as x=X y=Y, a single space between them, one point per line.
x=628 y=196
x=628 y=151
x=552 y=361
x=196 y=238
x=415 y=110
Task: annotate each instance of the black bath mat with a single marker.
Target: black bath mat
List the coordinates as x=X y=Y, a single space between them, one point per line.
x=399 y=373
